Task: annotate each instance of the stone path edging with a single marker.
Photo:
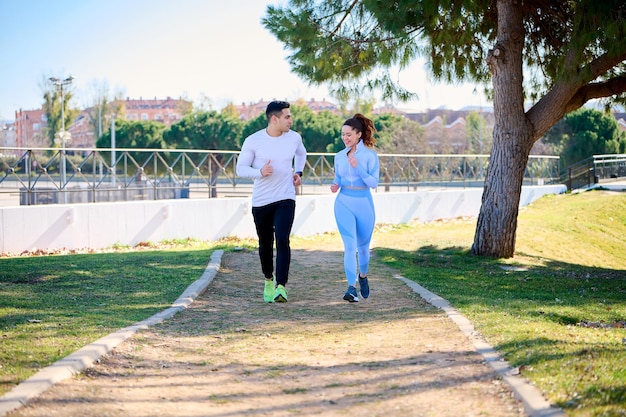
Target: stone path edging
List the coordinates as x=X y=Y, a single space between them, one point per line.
x=534 y=403
x=84 y=357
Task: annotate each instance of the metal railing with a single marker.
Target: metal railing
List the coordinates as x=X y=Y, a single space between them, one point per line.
x=593 y=170
x=99 y=175
x=609 y=167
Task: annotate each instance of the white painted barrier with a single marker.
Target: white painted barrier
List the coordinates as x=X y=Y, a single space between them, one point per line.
x=101 y=225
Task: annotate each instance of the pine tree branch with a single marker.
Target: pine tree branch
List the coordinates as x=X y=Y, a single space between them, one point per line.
x=608 y=88
x=345 y=16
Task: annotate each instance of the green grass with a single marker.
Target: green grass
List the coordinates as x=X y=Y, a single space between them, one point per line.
x=50 y=306
x=569 y=268
x=569 y=271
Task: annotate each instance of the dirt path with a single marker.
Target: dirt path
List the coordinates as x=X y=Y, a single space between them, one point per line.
x=230 y=354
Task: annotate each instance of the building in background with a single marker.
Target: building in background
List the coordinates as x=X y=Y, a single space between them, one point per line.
x=7 y=134
x=82 y=132
x=252 y=110
x=31 y=125
x=445 y=129
x=167 y=111
x=30 y=129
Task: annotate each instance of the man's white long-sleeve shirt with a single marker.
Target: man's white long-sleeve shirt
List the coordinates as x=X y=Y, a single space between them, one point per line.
x=286 y=154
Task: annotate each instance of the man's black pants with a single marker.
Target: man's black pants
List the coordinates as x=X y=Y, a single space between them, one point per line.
x=274 y=221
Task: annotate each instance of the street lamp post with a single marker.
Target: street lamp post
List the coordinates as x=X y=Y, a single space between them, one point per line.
x=62 y=135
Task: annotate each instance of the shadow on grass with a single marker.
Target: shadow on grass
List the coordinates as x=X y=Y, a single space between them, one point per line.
x=51 y=306
x=468 y=280
x=560 y=323
x=94 y=286
x=552 y=297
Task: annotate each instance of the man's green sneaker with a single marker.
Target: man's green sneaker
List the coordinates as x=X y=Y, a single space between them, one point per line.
x=280 y=295
x=268 y=291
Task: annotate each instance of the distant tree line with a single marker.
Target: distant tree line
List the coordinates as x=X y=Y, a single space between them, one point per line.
x=321 y=132
x=584 y=133
x=578 y=136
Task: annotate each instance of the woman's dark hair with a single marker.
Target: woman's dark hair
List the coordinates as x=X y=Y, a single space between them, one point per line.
x=275 y=108
x=364 y=125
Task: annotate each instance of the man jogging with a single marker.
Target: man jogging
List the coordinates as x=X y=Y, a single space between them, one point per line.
x=274 y=157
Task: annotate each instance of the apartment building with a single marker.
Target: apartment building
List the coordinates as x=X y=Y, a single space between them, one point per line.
x=30 y=128
x=252 y=110
x=31 y=125
x=444 y=129
x=7 y=134
x=167 y=111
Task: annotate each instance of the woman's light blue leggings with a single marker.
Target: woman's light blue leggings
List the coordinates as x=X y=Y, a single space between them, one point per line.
x=354 y=213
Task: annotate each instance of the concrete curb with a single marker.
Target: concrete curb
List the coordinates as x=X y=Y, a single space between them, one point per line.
x=84 y=357
x=535 y=404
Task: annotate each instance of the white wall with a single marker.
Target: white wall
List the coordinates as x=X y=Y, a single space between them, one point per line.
x=101 y=225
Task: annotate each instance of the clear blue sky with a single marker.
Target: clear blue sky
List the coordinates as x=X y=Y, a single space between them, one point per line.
x=211 y=50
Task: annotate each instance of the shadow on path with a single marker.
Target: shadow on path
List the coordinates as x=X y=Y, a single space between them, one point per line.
x=230 y=354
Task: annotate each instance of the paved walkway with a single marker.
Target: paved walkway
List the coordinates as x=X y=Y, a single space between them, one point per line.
x=471 y=376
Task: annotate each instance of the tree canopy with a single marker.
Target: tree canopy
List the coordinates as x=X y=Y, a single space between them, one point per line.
x=356 y=44
x=205 y=130
x=57 y=109
x=557 y=54
x=135 y=134
x=586 y=132
x=320 y=131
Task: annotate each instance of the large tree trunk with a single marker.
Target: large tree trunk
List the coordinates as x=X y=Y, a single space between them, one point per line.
x=512 y=139
x=497 y=220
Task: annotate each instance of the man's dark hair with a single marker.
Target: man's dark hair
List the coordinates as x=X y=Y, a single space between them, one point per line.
x=275 y=108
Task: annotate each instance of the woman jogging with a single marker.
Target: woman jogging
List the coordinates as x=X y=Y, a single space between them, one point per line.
x=356 y=172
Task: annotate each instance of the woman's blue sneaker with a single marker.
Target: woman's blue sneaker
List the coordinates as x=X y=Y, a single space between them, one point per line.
x=351 y=295
x=364 y=286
